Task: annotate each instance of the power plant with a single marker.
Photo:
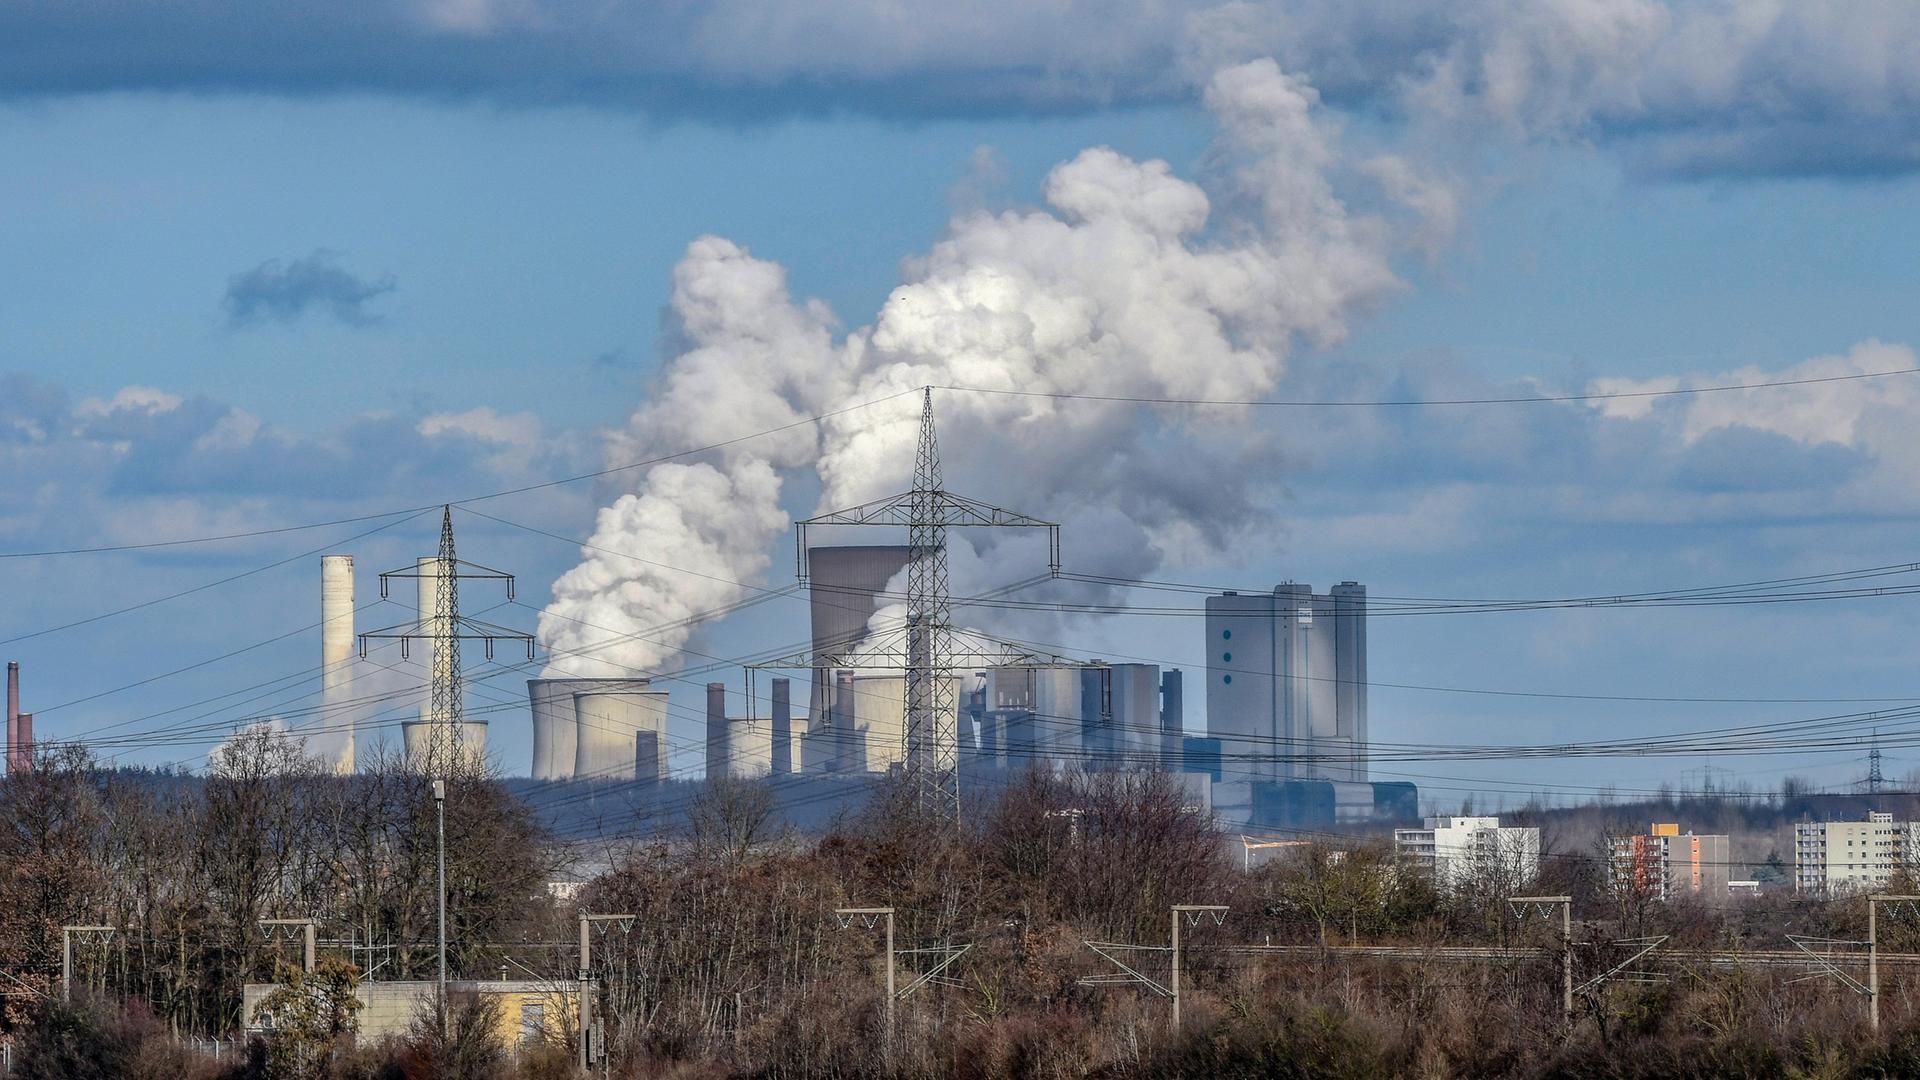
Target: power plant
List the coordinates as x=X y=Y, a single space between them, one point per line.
x=1286 y=692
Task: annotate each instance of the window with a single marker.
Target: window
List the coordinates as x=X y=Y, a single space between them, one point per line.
x=1226 y=658
x=1226 y=635
x=533 y=1019
x=1226 y=678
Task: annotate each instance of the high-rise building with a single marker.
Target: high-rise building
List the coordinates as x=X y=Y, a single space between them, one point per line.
x=1287 y=681
x=1848 y=856
x=1665 y=863
x=1463 y=851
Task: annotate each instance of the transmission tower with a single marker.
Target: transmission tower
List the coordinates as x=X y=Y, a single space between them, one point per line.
x=927 y=511
x=443 y=628
x=1874 y=777
x=933 y=745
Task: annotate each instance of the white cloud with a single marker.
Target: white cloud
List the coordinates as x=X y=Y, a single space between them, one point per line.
x=131 y=399
x=511 y=429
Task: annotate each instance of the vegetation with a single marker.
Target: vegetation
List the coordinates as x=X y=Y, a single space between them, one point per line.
x=733 y=964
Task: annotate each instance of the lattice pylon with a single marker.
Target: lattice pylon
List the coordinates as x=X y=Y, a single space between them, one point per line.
x=445 y=714
x=933 y=744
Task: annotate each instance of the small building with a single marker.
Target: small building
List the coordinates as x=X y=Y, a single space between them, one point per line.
x=1459 y=852
x=531 y=1011
x=1665 y=863
x=1743 y=888
x=1850 y=856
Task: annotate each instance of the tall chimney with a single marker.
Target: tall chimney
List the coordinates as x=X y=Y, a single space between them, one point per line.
x=13 y=714
x=717 y=748
x=336 y=653
x=782 y=734
x=840 y=721
x=23 y=729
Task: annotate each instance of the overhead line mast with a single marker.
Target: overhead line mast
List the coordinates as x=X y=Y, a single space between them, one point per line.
x=928 y=510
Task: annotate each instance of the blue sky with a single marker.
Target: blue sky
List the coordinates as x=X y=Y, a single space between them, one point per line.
x=320 y=278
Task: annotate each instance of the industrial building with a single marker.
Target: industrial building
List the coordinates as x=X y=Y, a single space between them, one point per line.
x=1462 y=852
x=1665 y=863
x=743 y=747
x=525 y=1013
x=1852 y=856
x=1287 y=681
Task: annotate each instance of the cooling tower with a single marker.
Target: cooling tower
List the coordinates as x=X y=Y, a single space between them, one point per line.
x=880 y=720
x=609 y=720
x=843 y=592
x=336 y=655
x=556 y=725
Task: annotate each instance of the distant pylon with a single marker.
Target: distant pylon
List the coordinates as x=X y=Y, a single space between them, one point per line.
x=443 y=628
x=1874 y=778
x=933 y=745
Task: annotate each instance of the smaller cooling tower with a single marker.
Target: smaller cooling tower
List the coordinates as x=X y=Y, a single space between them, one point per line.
x=609 y=721
x=556 y=726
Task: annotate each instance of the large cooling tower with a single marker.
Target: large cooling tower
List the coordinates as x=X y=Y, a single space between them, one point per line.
x=843 y=592
x=556 y=725
x=609 y=721
x=336 y=656
x=844 y=586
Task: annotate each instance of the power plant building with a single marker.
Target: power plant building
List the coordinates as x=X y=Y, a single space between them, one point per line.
x=738 y=747
x=1287 y=682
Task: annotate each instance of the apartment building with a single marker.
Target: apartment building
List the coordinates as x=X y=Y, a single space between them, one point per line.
x=1665 y=863
x=1851 y=856
x=1459 y=851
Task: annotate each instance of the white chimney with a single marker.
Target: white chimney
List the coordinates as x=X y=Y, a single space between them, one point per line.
x=336 y=654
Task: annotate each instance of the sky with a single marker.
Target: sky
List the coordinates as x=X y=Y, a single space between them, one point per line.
x=269 y=270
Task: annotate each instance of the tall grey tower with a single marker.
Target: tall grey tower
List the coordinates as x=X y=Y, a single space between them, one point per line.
x=1287 y=682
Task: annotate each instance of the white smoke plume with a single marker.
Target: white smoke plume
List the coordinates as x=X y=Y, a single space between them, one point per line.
x=1131 y=282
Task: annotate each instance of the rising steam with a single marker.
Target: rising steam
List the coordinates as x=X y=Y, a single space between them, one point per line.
x=1132 y=282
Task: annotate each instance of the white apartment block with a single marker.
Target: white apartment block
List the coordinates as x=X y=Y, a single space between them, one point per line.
x=1851 y=856
x=1460 y=851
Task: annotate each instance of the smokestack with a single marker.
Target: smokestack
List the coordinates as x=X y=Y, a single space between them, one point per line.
x=841 y=721
x=24 y=732
x=782 y=712
x=1172 y=718
x=646 y=757
x=716 y=730
x=336 y=653
x=13 y=714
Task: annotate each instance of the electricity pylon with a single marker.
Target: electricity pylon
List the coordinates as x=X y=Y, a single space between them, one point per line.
x=927 y=511
x=443 y=629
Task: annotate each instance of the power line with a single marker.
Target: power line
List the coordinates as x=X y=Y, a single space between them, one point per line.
x=1376 y=403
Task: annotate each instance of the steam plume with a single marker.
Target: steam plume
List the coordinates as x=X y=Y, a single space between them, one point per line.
x=1131 y=282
